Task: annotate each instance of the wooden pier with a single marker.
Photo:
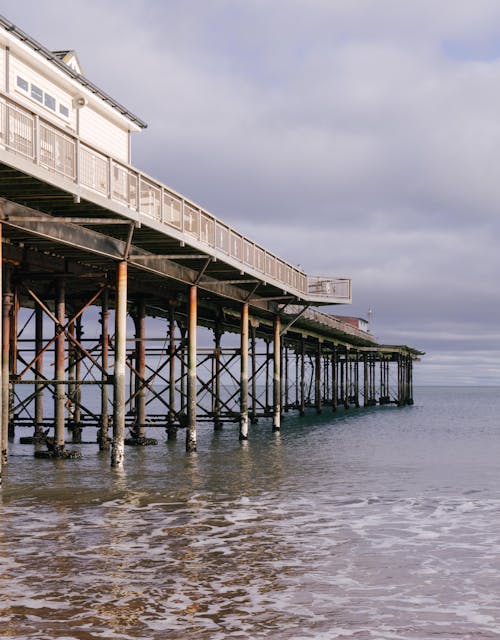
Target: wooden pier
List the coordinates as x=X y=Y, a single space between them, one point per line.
x=128 y=308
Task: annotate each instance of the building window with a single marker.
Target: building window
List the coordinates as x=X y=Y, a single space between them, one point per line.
x=36 y=93
x=50 y=101
x=64 y=111
x=22 y=83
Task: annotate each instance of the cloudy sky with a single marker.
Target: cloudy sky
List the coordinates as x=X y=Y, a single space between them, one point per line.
x=353 y=137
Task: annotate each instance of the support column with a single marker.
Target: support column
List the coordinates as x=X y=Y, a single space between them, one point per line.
x=347 y=387
x=1 y=369
x=217 y=372
x=103 y=433
x=253 y=332
x=244 y=373
x=60 y=395
x=171 y=426
x=277 y=375
x=75 y=394
x=335 y=377
x=286 y=381
x=317 y=379
x=191 y=381
x=356 y=379
x=6 y=311
x=400 y=380
x=365 y=380
x=140 y=367
x=183 y=332
x=303 y=377
x=410 y=381
x=14 y=316
x=267 y=375
x=39 y=387
x=117 y=449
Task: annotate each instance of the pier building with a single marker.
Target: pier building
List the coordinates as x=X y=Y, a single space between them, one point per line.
x=86 y=234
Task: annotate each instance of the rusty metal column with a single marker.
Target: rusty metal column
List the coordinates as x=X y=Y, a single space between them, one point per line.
x=365 y=381
x=347 y=386
x=267 y=375
x=335 y=377
x=356 y=379
x=71 y=389
x=103 y=434
x=400 y=393
x=297 y=380
x=171 y=427
x=6 y=311
x=76 y=396
x=140 y=367
x=217 y=372
x=410 y=381
x=317 y=379
x=303 y=377
x=191 y=381
x=287 y=395
x=39 y=387
x=1 y=372
x=14 y=317
x=244 y=372
x=277 y=375
x=117 y=449
x=253 y=332
x=182 y=407
x=60 y=391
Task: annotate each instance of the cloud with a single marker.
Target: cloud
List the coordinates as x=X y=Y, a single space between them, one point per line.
x=354 y=138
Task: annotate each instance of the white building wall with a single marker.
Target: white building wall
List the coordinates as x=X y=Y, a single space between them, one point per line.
x=2 y=68
x=103 y=134
x=18 y=67
x=98 y=130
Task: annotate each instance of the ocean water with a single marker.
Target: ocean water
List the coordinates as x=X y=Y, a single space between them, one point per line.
x=381 y=523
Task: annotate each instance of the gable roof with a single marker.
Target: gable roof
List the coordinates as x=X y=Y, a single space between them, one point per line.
x=69 y=57
x=55 y=58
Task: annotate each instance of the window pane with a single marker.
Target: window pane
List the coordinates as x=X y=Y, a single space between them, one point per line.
x=36 y=93
x=64 y=111
x=22 y=83
x=50 y=102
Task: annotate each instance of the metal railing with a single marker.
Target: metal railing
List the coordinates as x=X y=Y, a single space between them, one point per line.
x=28 y=135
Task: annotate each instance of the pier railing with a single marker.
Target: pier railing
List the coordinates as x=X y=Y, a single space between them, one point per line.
x=26 y=134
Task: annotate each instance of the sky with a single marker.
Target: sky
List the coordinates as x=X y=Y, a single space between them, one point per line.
x=354 y=138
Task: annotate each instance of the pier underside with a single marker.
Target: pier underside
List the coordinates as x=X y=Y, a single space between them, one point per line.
x=100 y=339
x=113 y=329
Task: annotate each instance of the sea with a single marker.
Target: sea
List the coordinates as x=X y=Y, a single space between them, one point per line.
x=379 y=523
